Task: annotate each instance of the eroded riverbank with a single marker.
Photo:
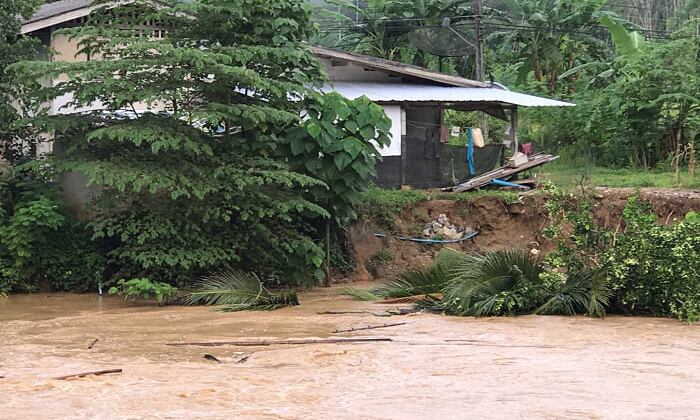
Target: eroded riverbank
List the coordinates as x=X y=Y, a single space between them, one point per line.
x=437 y=367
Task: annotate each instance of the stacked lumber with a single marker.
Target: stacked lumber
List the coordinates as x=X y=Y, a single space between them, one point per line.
x=504 y=172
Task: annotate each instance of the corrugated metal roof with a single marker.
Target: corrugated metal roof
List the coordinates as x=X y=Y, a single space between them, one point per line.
x=402 y=92
x=57 y=8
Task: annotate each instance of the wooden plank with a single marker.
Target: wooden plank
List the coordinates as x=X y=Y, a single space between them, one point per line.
x=504 y=171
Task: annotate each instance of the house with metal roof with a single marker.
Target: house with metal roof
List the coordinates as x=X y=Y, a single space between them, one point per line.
x=414 y=99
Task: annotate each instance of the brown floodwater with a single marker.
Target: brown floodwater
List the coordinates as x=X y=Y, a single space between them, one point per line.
x=436 y=367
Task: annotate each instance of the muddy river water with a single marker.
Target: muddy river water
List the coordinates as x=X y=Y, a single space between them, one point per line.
x=436 y=367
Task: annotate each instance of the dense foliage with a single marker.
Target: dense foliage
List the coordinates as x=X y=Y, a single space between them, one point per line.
x=648 y=268
x=41 y=245
x=654 y=268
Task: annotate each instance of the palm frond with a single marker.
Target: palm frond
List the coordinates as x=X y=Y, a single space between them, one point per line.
x=359 y=294
x=498 y=282
x=449 y=258
x=284 y=299
x=414 y=282
x=238 y=291
x=584 y=291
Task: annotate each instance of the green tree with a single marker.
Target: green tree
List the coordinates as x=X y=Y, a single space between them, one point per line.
x=13 y=48
x=336 y=144
x=183 y=141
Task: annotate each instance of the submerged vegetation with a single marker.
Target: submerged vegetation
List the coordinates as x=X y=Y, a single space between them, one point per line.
x=238 y=291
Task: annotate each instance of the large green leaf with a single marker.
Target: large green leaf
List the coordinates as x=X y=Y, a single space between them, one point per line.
x=353 y=146
x=368 y=132
x=342 y=160
x=313 y=129
x=627 y=43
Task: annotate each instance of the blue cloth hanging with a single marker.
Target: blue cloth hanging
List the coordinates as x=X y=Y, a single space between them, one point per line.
x=470 y=152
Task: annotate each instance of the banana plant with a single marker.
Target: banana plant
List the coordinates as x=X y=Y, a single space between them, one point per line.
x=627 y=43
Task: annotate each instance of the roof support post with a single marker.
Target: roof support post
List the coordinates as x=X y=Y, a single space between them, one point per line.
x=514 y=128
x=404 y=148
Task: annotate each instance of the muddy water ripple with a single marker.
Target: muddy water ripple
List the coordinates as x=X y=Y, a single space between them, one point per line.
x=437 y=367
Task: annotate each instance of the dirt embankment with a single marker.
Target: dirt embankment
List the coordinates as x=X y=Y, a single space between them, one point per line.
x=500 y=224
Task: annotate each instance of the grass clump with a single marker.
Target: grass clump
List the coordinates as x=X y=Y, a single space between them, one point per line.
x=238 y=291
x=383 y=205
x=508 y=197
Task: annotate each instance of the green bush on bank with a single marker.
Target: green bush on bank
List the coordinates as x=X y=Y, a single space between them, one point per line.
x=646 y=269
x=654 y=268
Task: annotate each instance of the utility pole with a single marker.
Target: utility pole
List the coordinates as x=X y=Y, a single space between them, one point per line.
x=478 y=11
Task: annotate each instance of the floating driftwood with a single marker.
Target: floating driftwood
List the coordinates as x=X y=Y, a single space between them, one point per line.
x=212 y=358
x=342 y=312
x=273 y=342
x=369 y=327
x=97 y=372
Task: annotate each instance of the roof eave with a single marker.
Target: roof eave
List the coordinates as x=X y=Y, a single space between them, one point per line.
x=397 y=68
x=49 y=21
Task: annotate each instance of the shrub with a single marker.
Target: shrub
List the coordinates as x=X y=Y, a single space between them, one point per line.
x=144 y=288
x=503 y=282
x=655 y=268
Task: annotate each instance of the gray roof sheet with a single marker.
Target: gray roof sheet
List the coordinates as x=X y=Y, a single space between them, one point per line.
x=57 y=8
x=402 y=92
x=395 y=67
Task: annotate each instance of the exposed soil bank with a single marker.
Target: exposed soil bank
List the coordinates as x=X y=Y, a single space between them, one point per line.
x=500 y=224
x=529 y=367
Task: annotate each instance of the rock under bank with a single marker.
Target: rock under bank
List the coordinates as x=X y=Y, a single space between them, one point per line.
x=500 y=224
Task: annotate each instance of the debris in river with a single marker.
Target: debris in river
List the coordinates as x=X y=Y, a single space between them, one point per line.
x=80 y=375
x=342 y=312
x=272 y=342
x=369 y=327
x=93 y=343
x=212 y=358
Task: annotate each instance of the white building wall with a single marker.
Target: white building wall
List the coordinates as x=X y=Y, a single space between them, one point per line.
x=394 y=113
